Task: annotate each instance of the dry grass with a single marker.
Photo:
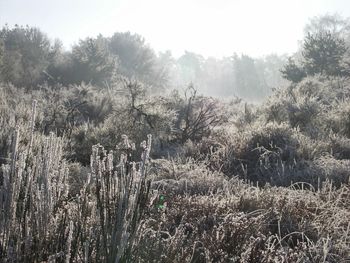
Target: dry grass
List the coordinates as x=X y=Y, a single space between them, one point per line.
x=271 y=184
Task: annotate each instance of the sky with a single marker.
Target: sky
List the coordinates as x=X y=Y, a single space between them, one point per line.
x=209 y=27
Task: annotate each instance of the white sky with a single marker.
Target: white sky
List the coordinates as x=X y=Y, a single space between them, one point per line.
x=209 y=27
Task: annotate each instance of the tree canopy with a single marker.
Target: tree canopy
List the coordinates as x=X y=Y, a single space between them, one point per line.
x=26 y=53
x=323 y=53
x=325 y=50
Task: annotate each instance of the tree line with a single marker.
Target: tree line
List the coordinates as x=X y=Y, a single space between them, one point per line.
x=28 y=59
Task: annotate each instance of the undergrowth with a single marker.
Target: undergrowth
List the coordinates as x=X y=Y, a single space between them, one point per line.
x=256 y=183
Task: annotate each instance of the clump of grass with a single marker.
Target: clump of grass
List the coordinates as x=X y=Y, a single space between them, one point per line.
x=42 y=221
x=176 y=177
x=34 y=186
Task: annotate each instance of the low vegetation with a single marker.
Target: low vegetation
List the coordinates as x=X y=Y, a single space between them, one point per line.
x=121 y=173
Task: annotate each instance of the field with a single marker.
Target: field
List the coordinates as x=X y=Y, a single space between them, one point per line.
x=234 y=183
x=111 y=152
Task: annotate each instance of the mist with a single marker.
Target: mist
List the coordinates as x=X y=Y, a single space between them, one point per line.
x=226 y=48
x=174 y=131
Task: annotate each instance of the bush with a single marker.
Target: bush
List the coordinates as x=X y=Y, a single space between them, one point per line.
x=328 y=168
x=183 y=178
x=275 y=153
x=338 y=118
x=309 y=105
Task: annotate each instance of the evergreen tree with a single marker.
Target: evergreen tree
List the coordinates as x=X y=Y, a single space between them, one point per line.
x=323 y=53
x=26 y=53
x=92 y=62
x=292 y=72
x=137 y=60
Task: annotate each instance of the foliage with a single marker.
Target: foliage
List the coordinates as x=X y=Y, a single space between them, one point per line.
x=333 y=23
x=196 y=115
x=292 y=72
x=27 y=52
x=323 y=53
x=324 y=50
x=138 y=113
x=137 y=60
x=227 y=181
x=249 y=224
x=40 y=223
x=191 y=66
x=92 y=62
x=2 y=49
x=249 y=84
x=229 y=76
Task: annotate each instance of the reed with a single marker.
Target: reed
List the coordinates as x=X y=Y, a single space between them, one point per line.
x=41 y=222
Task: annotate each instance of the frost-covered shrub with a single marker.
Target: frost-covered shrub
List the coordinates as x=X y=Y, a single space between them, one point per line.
x=274 y=153
x=249 y=224
x=309 y=105
x=137 y=114
x=189 y=177
x=328 y=168
x=82 y=139
x=88 y=103
x=197 y=115
x=337 y=119
x=298 y=110
x=78 y=174
x=50 y=216
x=201 y=150
x=339 y=146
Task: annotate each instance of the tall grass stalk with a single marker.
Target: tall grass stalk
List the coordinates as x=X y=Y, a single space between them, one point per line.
x=41 y=221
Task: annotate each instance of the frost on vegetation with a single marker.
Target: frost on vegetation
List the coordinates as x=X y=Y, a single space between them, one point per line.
x=258 y=183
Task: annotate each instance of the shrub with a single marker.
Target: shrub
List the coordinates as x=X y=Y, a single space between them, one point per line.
x=338 y=118
x=197 y=116
x=275 y=153
x=137 y=114
x=180 y=178
x=328 y=168
x=40 y=222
